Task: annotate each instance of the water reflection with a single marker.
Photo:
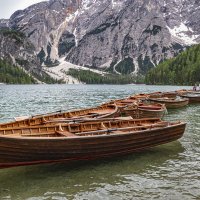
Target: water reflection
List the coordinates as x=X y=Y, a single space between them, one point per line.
x=76 y=179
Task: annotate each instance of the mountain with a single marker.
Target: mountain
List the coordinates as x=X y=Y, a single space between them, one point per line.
x=17 y=51
x=16 y=47
x=46 y=24
x=4 y=23
x=119 y=36
x=11 y=74
x=147 y=32
x=181 y=70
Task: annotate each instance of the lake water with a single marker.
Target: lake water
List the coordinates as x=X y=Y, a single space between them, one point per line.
x=170 y=171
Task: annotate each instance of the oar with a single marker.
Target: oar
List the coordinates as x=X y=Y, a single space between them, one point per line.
x=82 y=120
x=77 y=119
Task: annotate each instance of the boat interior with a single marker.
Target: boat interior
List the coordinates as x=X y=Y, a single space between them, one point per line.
x=85 y=129
x=77 y=115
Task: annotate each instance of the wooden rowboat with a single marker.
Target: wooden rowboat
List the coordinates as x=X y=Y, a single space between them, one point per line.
x=169 y=94
x=145 y=110
x=155 y=95
x=103 y=111
x=137 y=110
x=193 y=98
x=86 y=141
x=163 y=94
x=122 y=103
x=132 y=100
x=184 y=92
x=141 y=97
x=170 y=102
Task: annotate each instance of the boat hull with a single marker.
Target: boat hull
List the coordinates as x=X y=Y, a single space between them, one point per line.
x=169 y=94
x=163 y=94
x=100 y=112
x=16 y=151
x=192 y=99
x=173 y=104
x=142 y=113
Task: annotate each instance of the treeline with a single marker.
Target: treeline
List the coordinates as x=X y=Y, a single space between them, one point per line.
x=182 y=70
x=18 y=36
x=45 y=78
x=126 y=66
x=13 y=75
x=89 y=77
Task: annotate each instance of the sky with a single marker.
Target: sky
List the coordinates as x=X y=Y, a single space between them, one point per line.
x=8 y=7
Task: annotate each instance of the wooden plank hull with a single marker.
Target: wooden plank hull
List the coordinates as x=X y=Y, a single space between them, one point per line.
x=171 y=104
x=16 y=151
x=182 y=92
x=163 y=94
x=155 y=95
x=169 y=94
x=145 y=110
x=192 y=98
x=142 y=113
x=103 y=111
x=141 y=97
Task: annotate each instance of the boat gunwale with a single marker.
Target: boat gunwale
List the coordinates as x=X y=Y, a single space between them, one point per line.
x=115 y=111
x=160 y=110
x=77 y=137
x=190 y=95
x=169 y=101
x=161 y=107
x=71 y=111
x=85 y=122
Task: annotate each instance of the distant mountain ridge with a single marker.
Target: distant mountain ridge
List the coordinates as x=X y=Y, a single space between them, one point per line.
x=105 y=34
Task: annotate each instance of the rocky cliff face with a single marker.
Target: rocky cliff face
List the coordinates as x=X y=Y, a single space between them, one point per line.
x=113 y=34
x=15 y=47
x=44 y=23
x=145 y=31
x=4 y=23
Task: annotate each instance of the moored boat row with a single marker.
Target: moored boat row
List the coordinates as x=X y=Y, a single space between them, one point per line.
x=114 y=128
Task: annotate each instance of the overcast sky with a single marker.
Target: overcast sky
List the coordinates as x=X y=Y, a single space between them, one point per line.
x=8 y=7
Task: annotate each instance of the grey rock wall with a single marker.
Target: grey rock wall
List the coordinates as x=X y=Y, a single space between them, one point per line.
x=105 y=33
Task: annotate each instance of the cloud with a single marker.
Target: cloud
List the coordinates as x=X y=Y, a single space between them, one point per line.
x=8 y=7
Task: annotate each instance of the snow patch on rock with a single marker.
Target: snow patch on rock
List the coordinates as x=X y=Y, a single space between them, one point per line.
x=116 y=3
x=106 y=65
x=114 y=67
x=183 y=34
x=135 y=62
x=60 y=72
